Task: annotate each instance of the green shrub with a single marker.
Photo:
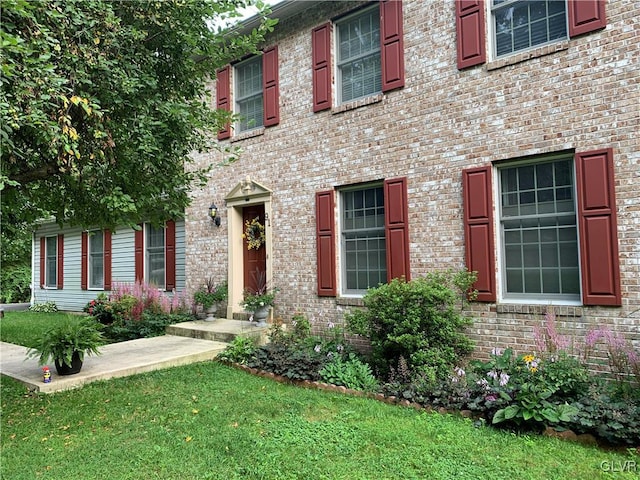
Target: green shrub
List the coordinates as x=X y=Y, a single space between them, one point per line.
x=293 y=354
x=15 y=284
x=290 y=360
x=416 y=320
x=615 y=419
x=149 y=325
x=101 y=309
x=350 y=372
x=239 y=350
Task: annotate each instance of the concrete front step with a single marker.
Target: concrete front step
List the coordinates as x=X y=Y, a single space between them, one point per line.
x=220 y=330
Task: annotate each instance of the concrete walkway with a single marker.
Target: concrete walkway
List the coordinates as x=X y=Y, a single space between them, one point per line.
x=116 y=360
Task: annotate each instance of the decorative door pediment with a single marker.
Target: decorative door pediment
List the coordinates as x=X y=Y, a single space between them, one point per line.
x=246 y=191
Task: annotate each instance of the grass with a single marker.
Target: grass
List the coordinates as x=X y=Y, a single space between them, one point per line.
x=211 y=421
x=24 y=328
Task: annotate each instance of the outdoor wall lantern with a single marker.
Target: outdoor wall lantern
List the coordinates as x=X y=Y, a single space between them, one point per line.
x=213 y=213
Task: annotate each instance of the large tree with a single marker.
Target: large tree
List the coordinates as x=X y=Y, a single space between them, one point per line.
x=101 y=103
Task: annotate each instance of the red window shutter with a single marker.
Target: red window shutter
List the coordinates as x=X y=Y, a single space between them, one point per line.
x=392 y=45
x=42 y=261
x=325 y=243
x=107 y=260
x=597 y=222
x=396 y=221
x=223 y=98
x=478 y=230
x=586 y=16
x=60 y=281
x=138 y=250
x=470 y=29
x=321 y=58
x=84 y=260
x=170 y=255
x=270 y=87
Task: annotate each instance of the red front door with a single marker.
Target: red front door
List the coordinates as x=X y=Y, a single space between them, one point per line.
x=255 y=260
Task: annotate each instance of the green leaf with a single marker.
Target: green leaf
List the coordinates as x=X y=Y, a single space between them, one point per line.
x=511 y=411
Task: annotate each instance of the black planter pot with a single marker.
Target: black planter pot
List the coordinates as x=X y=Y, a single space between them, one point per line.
x=64 y=369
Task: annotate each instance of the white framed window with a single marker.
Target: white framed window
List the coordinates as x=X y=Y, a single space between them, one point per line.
x=362 y=238
x=51 y=262
x=523 y=24
x=249 y=96
x=359 y=72
x=155 y=261
x=96 y=259
x=538 y=230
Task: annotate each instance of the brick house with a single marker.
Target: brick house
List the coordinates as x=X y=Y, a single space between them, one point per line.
x=387 y=139
x=382 y=139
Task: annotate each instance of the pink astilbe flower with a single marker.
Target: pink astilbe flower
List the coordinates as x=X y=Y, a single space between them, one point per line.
x=547 y=337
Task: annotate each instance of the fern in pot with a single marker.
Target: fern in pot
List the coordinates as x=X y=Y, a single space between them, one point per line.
x=67 y=343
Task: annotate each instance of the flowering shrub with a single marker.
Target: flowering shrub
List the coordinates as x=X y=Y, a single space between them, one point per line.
x=624 y=361
x=525 y=388
x=138 y=310
x=101 y=309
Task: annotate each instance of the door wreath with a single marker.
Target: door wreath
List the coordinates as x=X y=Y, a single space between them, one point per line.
x=254 y=234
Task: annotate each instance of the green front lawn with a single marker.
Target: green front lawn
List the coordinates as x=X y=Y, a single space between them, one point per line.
x=211 y=421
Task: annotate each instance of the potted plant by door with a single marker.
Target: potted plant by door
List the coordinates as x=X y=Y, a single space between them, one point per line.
x=259 y=303
x=67 y=343
x=210 y=297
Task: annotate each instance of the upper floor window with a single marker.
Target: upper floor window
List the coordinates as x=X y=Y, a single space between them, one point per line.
x=365 y=50
x=51 y=259
x=539 y=230
x=255 y=92
x=522 y=24
x=248 y=94
x=96 y=260
x=358 y=55
x=363 y=239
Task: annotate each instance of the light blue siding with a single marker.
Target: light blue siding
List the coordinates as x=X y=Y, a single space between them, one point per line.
x=72 y=297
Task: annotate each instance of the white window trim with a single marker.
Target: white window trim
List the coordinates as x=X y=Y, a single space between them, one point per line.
x=46 y=285
x=146 y=262
x=499 y=240
x=341 y=260
x=337 y=85
x=90 y=263
x=236 y=128
x=491 y=30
